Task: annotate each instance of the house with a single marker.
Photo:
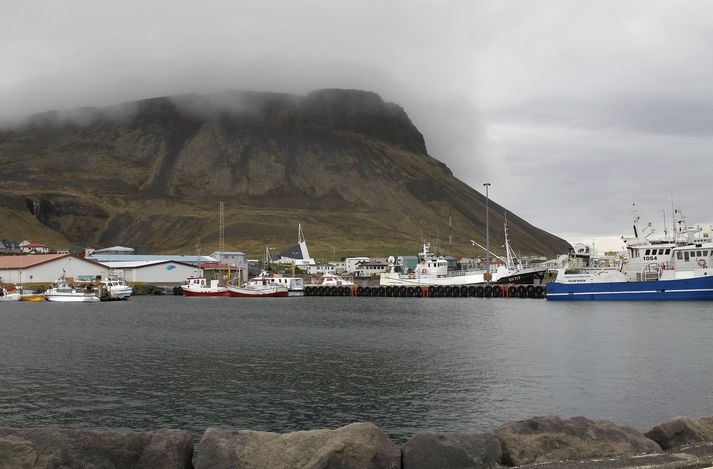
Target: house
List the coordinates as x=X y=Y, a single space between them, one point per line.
x=235 y=259
x=47 y=268
x=28 y=247
x=350 y=263
x=326 y=268
x=370 y=268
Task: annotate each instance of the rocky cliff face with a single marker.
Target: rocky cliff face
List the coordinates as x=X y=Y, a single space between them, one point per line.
x=352 y=168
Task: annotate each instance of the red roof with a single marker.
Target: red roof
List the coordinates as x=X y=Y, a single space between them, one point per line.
x=216 y=266
x=35 y=245
x=23 y=262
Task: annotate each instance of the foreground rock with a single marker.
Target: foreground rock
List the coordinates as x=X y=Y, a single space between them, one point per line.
x=452 y=450
x=359 y=445
x=681 y=431
x=549 y=439
x=65 y=448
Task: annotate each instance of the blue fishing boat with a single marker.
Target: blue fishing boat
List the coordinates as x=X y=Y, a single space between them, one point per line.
x=674 y=268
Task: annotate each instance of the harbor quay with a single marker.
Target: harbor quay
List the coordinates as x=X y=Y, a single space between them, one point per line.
x=548 y=442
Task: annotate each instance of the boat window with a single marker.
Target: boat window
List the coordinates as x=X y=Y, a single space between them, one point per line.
x=679 y=255
x=685 y=256
x=648 y=251
x=705 y=253
x=698 y=253
x=660 y=251
x=668 y=251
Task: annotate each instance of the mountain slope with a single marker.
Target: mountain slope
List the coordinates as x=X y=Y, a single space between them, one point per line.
x=352 y=168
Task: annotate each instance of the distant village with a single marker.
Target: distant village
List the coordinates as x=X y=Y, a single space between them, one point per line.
x=28 y=262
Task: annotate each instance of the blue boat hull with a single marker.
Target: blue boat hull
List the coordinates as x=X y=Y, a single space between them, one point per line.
x=684 y=289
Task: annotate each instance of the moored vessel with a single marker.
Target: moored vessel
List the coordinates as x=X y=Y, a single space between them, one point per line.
x=197 y=286
x=65 y=292
x=669 y=269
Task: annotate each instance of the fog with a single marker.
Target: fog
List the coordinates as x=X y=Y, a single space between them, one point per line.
x=572 y=109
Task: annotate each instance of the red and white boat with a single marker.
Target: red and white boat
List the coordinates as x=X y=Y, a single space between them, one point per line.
x=196 y=286
x=258 y=287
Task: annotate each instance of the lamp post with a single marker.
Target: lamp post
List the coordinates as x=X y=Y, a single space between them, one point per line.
x=487 y=234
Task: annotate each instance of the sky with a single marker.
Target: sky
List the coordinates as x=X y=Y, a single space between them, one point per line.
x=574 y=110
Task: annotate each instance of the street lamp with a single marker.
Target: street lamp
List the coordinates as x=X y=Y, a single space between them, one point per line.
x=487 y=234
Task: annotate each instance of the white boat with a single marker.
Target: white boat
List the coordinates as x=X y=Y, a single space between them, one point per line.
x=197 y=286
x=433 y=270
x=335 y=281
x=116 y=289
x=259 y=287
x=64 y=292
x=294 y=285
x=9 y=296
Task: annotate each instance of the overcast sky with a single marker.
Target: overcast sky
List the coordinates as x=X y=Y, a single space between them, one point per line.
x=573 y=110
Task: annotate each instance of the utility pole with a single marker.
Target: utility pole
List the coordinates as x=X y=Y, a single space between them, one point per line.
x=487 y=233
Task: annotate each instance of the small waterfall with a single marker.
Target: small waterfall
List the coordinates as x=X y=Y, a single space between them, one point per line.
x=36 y=208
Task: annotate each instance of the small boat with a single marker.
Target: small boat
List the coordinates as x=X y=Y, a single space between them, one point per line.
x=115 y=288
x=259 y=287
x=6 y=295
x=335 y=281
x=197 y=286
x=64 y=292
x=32 y=297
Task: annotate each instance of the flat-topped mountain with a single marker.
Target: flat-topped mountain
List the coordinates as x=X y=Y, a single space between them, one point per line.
x=351 y=167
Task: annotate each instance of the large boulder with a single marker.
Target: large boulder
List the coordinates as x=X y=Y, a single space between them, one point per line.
x=547 y=439
x=359 y=445
x=681 y=431
x=452 y=450
x=59 y=447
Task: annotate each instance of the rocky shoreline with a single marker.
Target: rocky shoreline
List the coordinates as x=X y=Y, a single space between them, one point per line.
x=539 y=442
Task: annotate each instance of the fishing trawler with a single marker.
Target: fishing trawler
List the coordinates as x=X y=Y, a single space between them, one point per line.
x=673 y=268
x=432 y=269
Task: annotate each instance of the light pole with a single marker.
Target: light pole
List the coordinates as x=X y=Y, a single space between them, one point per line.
x=487 y=234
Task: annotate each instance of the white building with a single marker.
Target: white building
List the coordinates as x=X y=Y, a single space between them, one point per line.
x=47 y=268
x=160 y=272
x=370 y=268
x=350 y=263
x=322 y=269
x=232 y=258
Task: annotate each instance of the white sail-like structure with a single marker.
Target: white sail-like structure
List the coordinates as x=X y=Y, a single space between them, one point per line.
x=298 y=254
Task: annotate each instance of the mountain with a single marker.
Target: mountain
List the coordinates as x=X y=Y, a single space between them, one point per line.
x=353 y=169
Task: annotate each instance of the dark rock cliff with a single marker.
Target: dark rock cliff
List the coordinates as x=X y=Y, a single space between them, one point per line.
x=353 y=168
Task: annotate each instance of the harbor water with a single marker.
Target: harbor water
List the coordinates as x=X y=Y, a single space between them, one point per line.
x=406 y=364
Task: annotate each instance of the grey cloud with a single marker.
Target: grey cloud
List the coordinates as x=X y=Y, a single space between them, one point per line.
x=571 y=108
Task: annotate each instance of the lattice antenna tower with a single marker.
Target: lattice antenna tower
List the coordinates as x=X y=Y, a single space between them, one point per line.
x=221 y=236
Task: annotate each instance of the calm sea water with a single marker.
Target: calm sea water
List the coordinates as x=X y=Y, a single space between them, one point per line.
x=300 y=363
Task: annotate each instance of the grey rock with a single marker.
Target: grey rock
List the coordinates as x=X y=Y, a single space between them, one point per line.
x=359 y=445
x=66 y=448
x=549 y=439
x=452 y=450
x=681 y=431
